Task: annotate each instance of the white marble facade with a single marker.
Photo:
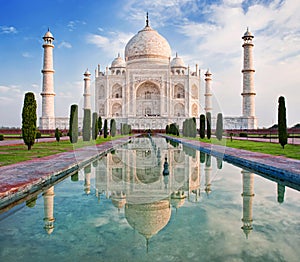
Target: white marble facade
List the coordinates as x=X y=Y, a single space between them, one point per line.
x=147 y=89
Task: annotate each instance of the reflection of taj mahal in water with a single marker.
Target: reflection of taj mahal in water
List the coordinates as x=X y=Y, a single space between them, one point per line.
x=132 y=177
x=148 y=89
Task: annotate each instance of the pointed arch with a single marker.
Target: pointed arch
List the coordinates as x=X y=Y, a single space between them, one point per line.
x=179 y=91
x=117 y=91
x=116 y=109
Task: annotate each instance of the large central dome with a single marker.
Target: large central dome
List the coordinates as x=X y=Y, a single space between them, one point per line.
x=147 y=43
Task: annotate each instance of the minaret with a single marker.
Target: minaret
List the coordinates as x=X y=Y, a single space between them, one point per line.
x=208 y=94
x=248 y=82
x=48 y=196
x=47 y=121
x=87 y=90
x=248 y=194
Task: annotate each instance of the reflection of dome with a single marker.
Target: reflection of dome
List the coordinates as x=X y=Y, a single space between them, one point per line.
x=118 y=62
x=177 y=62
x=147 y=43
x=148 y=219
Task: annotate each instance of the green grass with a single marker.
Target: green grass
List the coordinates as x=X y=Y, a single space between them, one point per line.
x=14 y=154
x=290 y=151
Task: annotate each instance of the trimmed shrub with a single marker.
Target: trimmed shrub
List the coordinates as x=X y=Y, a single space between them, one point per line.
x=95 y=126
x=282 y=129
x=99 y=122
x=29 y=120
x=38 y=134
x=73 y=124
x=202 y=126
x=113 y=129
x=243 y=134
x=105 y=129
x=208 y=125
x=86 y=129
x=219 y=128
x=57 y=134
x=1 y=137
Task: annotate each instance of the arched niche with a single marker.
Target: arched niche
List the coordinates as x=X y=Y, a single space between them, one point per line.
x=179 y=91
x=148 y=99
x=117 y=91
x=116 y=109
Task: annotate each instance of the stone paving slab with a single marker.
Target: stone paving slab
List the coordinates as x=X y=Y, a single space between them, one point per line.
x=278 y=167
x=20 y=179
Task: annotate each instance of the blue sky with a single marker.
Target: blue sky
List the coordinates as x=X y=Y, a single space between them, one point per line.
x=209 y=33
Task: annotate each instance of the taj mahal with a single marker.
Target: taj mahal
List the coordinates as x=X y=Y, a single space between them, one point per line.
x=149 y=89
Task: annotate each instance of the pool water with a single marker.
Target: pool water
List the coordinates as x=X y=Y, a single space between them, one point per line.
x=122 y=208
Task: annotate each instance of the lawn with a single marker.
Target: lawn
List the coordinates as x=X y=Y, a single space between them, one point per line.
x=290 y=151
x=18 y=153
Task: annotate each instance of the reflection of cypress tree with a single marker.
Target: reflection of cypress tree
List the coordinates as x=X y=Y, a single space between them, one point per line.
x=31 y=202
x=95 y=163
x=174 y=143
x=208 y=160
x=280 y=193
x=87 y=169
x=202 y=157
x=219 y=162
x=189 y=151
x=74 y=177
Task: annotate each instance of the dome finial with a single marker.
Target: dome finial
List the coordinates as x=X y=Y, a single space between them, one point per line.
x=147 y=20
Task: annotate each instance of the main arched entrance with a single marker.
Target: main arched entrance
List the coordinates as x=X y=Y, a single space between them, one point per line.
x=148 y=100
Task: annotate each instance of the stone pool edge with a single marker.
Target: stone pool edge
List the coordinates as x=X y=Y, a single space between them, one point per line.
x=290 y=172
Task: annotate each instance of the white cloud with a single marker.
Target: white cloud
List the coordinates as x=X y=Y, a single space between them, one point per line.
x=72 y=25
x=8 y=30
x=26 y=55
x=112 y=44
x=64 y=44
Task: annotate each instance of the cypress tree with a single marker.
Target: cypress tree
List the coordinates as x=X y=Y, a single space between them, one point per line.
x=29 y=120
x=86 y=132
x=95 y=126
x=57 y=134
x=105 y=129
x=113 y=129
x=202 y=126
x=282 y=129
x=208 y=125
x=100 y=125
x=73 y=124
x=219 y=128
x=167 y=129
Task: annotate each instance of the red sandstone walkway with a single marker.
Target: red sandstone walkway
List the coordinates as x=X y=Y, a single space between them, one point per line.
x=19 y=179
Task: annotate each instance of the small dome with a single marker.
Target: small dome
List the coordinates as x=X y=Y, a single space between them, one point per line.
x=208 y=73
x=118 y=62
x=48 y=35
x=147 y=43
x=87 y=73
x=248 y=34
x=177 y=62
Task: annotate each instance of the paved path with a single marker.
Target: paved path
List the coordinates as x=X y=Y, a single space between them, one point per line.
x=15 y=142
x=20 y=179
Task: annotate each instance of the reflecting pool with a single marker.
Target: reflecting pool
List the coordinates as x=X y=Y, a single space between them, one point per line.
x=153 y=200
